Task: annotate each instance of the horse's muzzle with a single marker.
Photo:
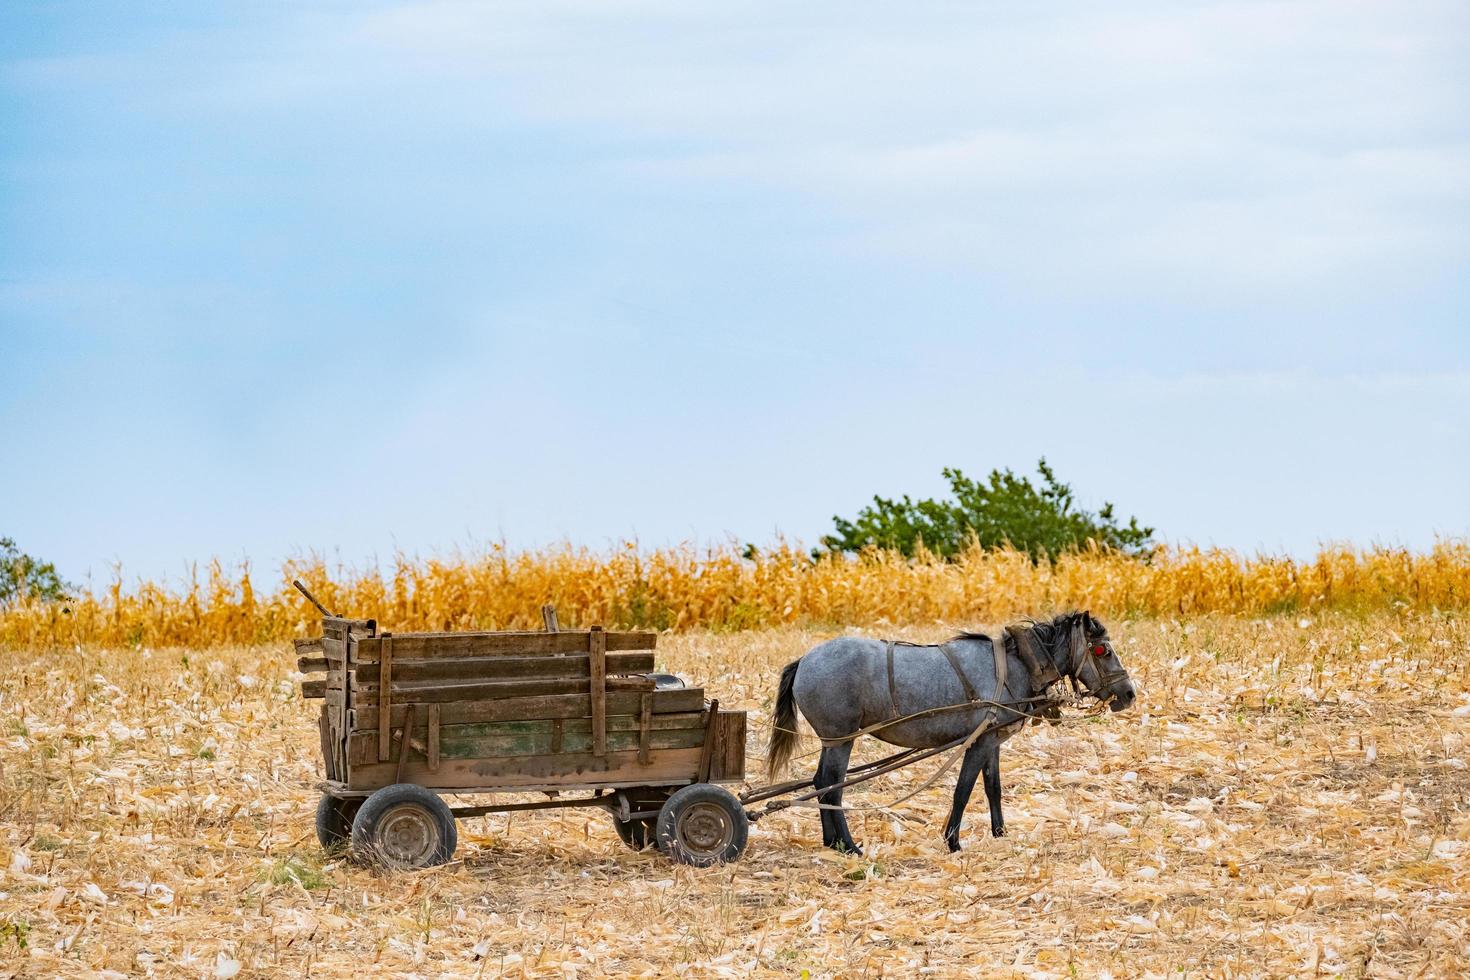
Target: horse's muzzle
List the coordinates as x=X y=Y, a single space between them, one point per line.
x=1123 y=697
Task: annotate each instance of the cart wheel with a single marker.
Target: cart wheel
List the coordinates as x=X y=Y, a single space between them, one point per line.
x=703 y=825
x=640 y=832
x=334 y=820
x=404 y=827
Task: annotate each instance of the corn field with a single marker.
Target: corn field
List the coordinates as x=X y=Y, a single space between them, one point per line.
x=719 y=588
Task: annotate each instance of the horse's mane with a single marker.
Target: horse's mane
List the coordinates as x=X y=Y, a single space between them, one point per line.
x=1049 y=632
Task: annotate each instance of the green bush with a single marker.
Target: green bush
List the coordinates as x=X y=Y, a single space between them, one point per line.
x=1042 y=520
x=22 y=576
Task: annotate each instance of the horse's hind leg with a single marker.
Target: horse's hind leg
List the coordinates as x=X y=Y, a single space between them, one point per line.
x=832 y=769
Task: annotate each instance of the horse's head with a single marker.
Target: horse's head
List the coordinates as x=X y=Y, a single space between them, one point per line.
x=1093 y=663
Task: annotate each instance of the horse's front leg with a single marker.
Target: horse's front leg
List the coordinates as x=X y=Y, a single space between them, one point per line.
x=990 y=765
x=963 y=787
x=832 y=769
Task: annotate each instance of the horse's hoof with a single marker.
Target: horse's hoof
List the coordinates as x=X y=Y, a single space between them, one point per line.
x=997 y=831
x=954 y=846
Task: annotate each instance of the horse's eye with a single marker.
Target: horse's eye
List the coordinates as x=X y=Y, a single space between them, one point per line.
x=1099 y=651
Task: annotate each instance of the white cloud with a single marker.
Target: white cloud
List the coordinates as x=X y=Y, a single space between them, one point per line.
x=1245 y=145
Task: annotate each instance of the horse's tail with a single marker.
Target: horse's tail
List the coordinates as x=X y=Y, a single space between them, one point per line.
x=783 y=725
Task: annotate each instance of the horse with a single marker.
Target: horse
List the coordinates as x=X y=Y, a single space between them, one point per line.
x=910 y=696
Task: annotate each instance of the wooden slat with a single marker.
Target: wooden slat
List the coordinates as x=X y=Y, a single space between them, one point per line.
x=434 y=732
x=500 y=668
x=433 y=646
x=405 y=744
x=334 y=648
x=630 y=722
x=363 y=749
x=385 y=702
x=543 y=708
x=645 y=726
x=312 y=665
x=566 y=772
x=314 y=689
x=324 y=731
x=341 y=721
x=706 y=754
x=597 y=659
x=429 y=692
x=548 y=617
x=728 y=760
x=340 y=624
x=307 y=648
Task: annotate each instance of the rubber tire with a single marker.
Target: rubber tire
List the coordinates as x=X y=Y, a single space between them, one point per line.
x=642 y=832
x=702 y=795
x=334 y=821
x=389 y=798
x=637 y=834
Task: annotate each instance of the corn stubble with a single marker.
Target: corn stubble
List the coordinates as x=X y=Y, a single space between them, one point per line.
x=686 y=588
x=1289 y=797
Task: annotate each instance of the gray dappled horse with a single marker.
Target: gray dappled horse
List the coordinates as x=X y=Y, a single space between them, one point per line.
x=854 y=684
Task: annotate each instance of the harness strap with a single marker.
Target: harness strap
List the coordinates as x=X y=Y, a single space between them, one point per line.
x=892 y=693
x=971 y=696
x=959 y=672
x=998 y=654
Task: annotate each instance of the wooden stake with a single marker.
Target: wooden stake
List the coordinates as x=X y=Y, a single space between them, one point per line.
x=403 y=746
x=597 y=662
x=645 y=719
x=385 y=698
x=707 y=750
x=548 y=616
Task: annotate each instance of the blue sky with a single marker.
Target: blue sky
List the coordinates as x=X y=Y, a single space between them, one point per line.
x=357 y=277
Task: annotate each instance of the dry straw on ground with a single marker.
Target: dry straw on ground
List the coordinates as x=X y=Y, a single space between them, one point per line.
x=1289 y=797
x=684 y=588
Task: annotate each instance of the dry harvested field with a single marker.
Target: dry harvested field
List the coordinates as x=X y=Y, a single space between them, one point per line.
x=1290 y=797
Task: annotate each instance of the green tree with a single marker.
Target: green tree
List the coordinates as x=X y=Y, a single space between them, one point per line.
x=22 y=576
x=1039 y=519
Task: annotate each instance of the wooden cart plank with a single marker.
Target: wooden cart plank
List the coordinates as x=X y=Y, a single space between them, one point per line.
x=728 y=760
x=430 y=692
x=566 y=771
x=597 y=662
x=580 y=726
x=341 y=624
x=434 y=646
x=546 y=707
x=334 y=648
x=500 y=668
x=645 y=726
x=539 y=745
x=385 y=700
x=707 y=744
x=324 y=731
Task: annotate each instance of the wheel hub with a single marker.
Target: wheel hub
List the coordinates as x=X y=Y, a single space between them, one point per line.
x=705 y=828
x=407 y=836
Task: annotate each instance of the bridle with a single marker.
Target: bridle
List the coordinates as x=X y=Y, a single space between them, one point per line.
x=1078 y=648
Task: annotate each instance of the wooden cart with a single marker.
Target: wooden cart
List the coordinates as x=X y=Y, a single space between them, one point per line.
x=576 y=714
